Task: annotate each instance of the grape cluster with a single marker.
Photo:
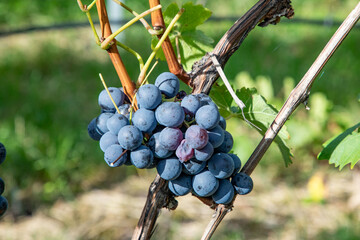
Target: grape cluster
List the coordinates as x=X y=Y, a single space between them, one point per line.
x=3 y=202
x=183 y=136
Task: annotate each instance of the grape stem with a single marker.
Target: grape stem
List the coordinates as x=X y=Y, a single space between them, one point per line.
x=108 y=92
x=299 y=94
x=142 y=20
x=231 y=91
x=157 y=47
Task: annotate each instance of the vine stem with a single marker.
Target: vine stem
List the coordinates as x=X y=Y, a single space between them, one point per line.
x=128 y=85
x=158 y=23
x=299 y=95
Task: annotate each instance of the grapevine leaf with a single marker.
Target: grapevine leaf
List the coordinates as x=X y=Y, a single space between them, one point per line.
x=343 y=148
x=192 y=43
x=257 y=110
x=222 y=98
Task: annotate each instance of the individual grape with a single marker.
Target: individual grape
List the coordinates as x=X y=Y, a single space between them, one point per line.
x=216 y=136
x=181 y=185
x=190 y=104
x=196 y=137
x=153 y=163
x=170 y=114
x=221 y=165
x=116 y=122
x=222 y=122
x=170 y=138
x=227 y=144
x=105 y=101
x=207 y=116
x=148 y=96
x=141 y=157
x=169 y=169
x=193 y=166
x=2 y=186
x=125 y=110
x=237 y=163
x=243 y=183
x=158 y=149
x=168 y=83
x=205 y=184
x=205 y=99
x=92 y=131
x=225 y=193
x=101 y=121
x=112 y=153
x=144 y=120
x=130 y=137
x=107 y=140
x=3 y=205
x=205 y=153
x=184 y=152
x=2 y=153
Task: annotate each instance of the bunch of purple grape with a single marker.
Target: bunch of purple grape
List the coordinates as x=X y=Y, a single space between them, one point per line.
x=3 y=202
x=184 y=137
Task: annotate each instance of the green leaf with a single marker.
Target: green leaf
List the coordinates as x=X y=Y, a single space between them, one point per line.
x=257 y=111
x=193 y=46
x=193 y=16
x=343 y=148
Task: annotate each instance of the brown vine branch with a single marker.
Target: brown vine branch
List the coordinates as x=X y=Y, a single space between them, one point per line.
x=128 y=85
x=159 y=196
x=297 y=96
x=264 y=12
x=174 y=66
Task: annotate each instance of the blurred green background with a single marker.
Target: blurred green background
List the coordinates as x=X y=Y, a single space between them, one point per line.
x=55 y=175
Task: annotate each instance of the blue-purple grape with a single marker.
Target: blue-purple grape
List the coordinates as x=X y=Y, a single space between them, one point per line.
x=170 y=114
x=105 y=102
x=227 y=144
x=3 y=205
x=116 y=122
x=2 y=153
x=221 y=165
x=190 y=104
x=130 y=137
x=144 y=120
x=112 y=153
x=170 y=138
x=181 y=185
x=193 y=166
x=93 y=132
x=101 y=122
x=125 y=110
x=169 y=168
x=205 y=184
x=205 y=153
x=196 y=137
x=107 y=140
x=216 y=136
x=225 y=193
x=237 y=163
x=222 y=122
x=207 y=116
x=148 y=96
x=243 y=183
x=184 y=152
x=168 y=84
x=141 y=157
x=158 y=149
x=2 y=186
